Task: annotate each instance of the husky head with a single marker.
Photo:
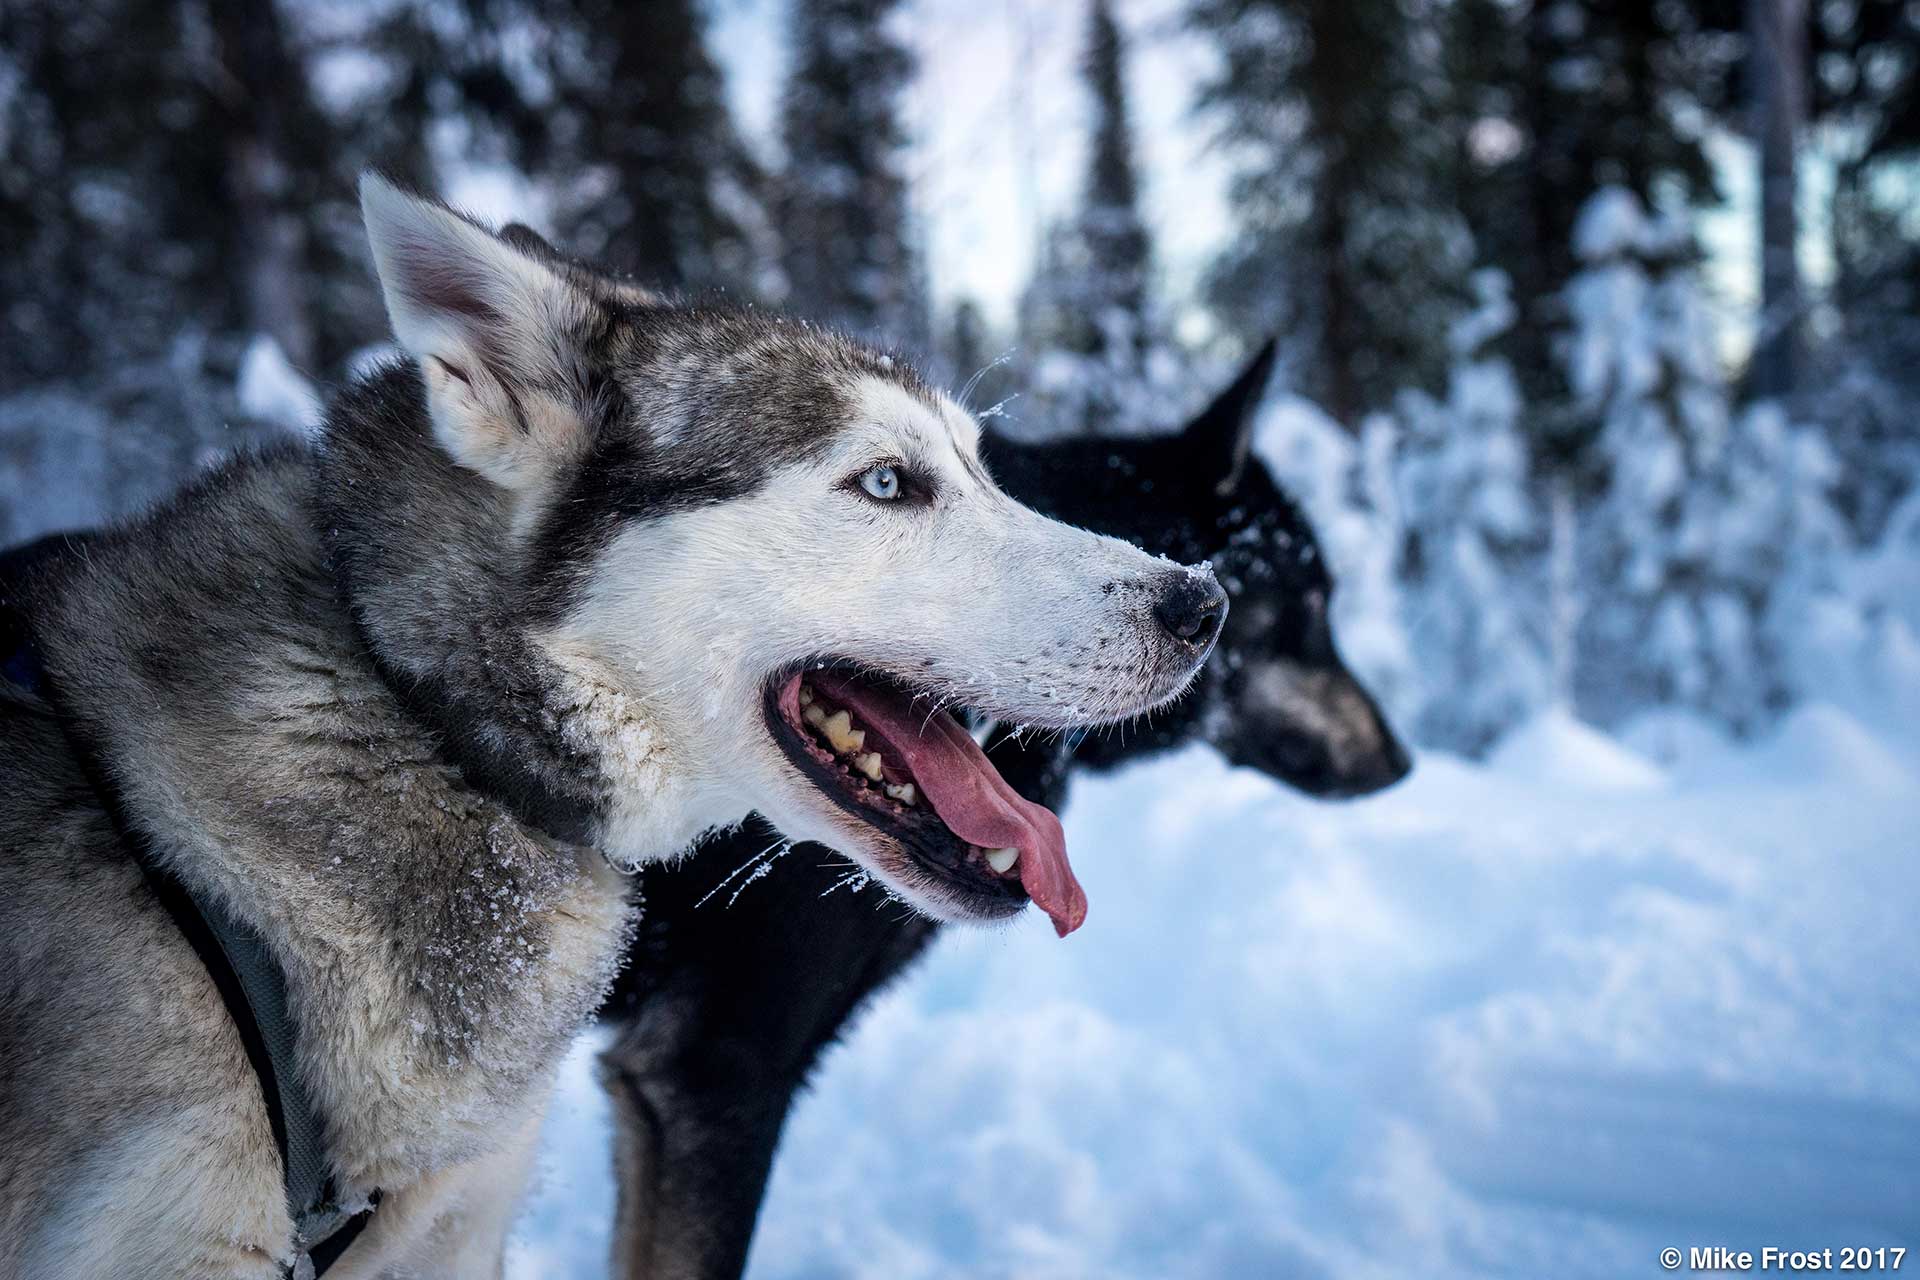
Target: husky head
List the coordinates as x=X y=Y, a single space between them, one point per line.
x=1277 y=696
x=653 y=567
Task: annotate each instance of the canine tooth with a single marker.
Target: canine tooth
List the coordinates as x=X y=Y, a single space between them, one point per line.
x=902 y=791
x=868 y=764
x=1002 y=860
x=815 y=715
x=840 y=732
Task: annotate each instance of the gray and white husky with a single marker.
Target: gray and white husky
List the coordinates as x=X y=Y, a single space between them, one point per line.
x=584 y=577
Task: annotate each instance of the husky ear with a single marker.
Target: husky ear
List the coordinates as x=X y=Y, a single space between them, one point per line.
x=528 y=241
x=1223 y=433
x=491 y=325
x=619 y=288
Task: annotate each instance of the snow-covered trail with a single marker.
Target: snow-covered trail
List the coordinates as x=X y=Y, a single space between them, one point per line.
x=1543 y=1016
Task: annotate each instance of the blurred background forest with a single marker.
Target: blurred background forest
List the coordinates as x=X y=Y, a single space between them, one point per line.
x=1600 y=321
x=1600 y=335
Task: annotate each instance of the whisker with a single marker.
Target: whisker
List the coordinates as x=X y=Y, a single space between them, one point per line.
x=855 y=880
x=966 y=392
x=998 y=410
x=775 y=849
x=786 y=846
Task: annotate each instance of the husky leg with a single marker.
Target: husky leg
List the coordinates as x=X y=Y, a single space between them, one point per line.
x=692 y=1165
x=453 y=1224
x=636 y=1154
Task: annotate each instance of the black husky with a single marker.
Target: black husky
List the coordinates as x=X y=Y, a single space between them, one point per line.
x=732 y=995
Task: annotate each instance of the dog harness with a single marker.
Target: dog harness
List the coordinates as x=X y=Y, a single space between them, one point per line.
x=253 y=986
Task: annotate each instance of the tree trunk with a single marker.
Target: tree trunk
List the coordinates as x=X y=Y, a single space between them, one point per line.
x=1563 y=592
x=1778 y=29
x=257 y=74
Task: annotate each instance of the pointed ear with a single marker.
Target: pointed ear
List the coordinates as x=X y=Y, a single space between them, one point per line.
x=525 y=238
x=528 y=241
x=1223 y=432
x=493 y=327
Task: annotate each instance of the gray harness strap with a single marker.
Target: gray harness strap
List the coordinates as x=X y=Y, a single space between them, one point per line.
x=312 y=1200
x=254 y=988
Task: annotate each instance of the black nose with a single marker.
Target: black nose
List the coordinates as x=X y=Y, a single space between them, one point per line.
x=1192 y=608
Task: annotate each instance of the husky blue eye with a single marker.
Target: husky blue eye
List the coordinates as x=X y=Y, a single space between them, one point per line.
x=881 y=482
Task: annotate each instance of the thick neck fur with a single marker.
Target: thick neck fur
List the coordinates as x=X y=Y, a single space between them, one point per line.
x=428 y=555
x=440 y=950
x=454 y=586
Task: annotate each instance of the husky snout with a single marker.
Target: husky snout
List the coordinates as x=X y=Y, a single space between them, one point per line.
x=1083 y=628
x=1315 y=725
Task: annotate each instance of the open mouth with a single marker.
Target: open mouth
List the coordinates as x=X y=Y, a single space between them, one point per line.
x=882 y=754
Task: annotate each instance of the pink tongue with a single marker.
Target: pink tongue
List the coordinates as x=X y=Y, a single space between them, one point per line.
x=970 y=795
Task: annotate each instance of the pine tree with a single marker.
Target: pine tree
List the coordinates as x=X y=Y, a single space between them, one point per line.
x=1095 y=302
x=160 y=184
x=1118 y=247
x=966 y=349
x=1347 y=242
x=1867 y=96
x=1470 y=565
x=1583 y=94
x=1479 y=112
x=616 y=113
x=1704 y=524
x=385 y=123
x=150 y=211
x=1098 y=349
x=1642 y=379
x=640 y=150
x=974 y=362
x=842 y=205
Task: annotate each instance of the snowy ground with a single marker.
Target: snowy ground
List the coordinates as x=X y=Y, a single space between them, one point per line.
x=1545 y=1016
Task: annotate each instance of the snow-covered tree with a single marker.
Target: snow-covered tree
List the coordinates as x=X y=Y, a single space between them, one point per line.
x=1859 y=646
x=1866 y=379
x=76 y=454
x=1092 y=298
x=162 y=209
x=1643 y=373
x=1344 y=481
x=1100 y=357
x=1128 y=376
x=1546 y=102
x=1706 y=529
x=1471 y=569
x=842 y=208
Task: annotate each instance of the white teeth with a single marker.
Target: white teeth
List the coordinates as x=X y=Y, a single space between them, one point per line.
x=815 y=715
x=902 y=791
x=1002 y=860
x=868 y=764
x=841 y=734
x=806 y=695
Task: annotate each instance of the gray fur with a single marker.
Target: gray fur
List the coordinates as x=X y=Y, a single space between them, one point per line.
x=439 y=954
x=392 y=701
